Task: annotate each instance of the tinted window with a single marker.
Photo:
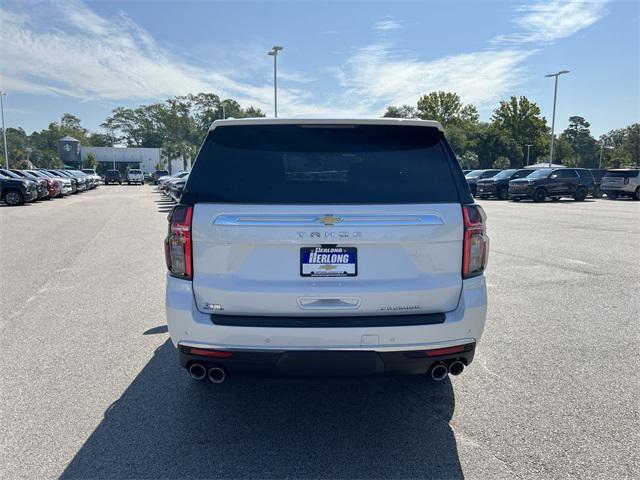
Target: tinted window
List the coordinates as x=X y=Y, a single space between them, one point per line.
x=622 y=173
x=7 y=173
x=319 y=164
x=543 y=172
x=504 y=174
x=566 y=173
x=489 y=173
x=135 y=171
x=474 y=173
x=522 y=174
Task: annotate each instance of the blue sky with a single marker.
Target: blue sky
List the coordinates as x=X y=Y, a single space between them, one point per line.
x=340 y=58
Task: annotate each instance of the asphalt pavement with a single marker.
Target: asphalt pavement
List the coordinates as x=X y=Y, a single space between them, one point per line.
x=90 y=385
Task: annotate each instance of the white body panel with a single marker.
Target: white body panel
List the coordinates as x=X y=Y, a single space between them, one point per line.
x=251 y=266
x=188 y=326
x=617 y=184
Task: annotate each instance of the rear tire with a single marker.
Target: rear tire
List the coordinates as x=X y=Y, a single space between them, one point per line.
x=503 y=193
x=13 y=197
x=516 y=199
x=580 y=195
x=474 y=190
x=540 y=195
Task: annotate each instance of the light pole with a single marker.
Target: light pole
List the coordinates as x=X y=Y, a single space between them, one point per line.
x=274 y=53
x=4 y=133
x=528 y=148
x=553 y=119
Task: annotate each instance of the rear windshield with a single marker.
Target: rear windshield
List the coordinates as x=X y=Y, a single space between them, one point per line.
x=320 y=164
x=135 y=171
x=622 y=173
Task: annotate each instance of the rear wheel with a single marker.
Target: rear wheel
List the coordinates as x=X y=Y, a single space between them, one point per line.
x=474 y=190
x=503 y=193
x=580 y=195
x=636 y=194
x=539 y=195
x=516 y=199
x=13 y=197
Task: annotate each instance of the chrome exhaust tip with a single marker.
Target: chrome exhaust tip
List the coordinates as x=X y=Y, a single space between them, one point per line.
x=217 y=374
x=456 y=367
x=197 y=371
x=439 y=372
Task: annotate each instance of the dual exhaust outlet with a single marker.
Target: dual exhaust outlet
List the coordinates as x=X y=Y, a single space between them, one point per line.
x=216 y=374
x=440 y=370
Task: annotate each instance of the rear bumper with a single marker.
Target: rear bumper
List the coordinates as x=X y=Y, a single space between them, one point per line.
x=189 y=327
x=324 y=363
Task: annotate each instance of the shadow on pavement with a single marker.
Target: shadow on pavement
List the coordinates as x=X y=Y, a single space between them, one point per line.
x=166 y=425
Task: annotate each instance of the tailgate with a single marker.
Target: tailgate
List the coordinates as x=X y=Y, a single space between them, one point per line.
x=402 y=259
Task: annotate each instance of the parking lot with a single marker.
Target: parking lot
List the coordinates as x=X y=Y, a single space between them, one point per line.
x=90 y=386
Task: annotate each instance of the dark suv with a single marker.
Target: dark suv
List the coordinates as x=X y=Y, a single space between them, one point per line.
x=15 y=191
x=112 y=176
x=155 y=176
x=498 y=185
x=474 y=175
x=554 y=183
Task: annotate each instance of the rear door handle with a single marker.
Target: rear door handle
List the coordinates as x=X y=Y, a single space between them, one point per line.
x=339 y=303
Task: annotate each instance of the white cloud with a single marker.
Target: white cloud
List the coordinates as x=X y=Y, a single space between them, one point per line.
x=376 y=75
x=547 y=21
x=386 y=25
x=67 y=49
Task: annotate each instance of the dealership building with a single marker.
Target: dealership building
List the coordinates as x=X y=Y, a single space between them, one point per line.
x=120 y=158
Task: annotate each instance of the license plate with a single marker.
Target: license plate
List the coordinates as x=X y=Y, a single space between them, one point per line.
x=328 y=262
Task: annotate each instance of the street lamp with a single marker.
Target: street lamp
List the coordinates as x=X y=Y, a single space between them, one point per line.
x=4 y=132
x=528 y=148
x=274 y=53
x=553 y=119
x=603 y=145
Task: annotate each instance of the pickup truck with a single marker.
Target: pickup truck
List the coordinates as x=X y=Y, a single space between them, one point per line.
x=135 y=176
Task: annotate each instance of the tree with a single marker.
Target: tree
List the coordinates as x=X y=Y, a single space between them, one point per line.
x=521 y=121
x=623 y=146
x=91 y=161
x=446 y=108
x=489 y=142
x=405 y=111
x=502 y=163
x=578 y=135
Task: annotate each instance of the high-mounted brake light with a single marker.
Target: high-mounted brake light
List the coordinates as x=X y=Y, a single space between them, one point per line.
x=177 y=245
x=475 y=250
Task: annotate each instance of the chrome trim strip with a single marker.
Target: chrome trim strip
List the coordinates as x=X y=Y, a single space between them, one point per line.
x=368 y=348
x=348 y=220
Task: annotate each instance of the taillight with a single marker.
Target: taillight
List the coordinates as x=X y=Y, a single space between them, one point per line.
x=177 y=245
x=475 y=249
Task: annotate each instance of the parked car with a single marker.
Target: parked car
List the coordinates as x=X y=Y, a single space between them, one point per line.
x=16 y=191
x=597 y=178
x=74 y=181
x=474 y=175
x=84 y=183
x=166 y=183
x=323 y=250
x=135 y=176
x=92 y=176
x=66 y=185
x=155 y=176
x=498 y=185
x=112 y=176
x=621 y=182
x=40 y=183
x=162 y=181
x=554 y=183
x=176 y=187
x=464 y=172
x=54 y=187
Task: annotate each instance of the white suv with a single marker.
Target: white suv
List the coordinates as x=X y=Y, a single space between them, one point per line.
x=135 y=176
x=621 y=182
x=326 y=247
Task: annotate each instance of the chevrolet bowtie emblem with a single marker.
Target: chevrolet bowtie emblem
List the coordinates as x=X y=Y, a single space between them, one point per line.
x=329 y=220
